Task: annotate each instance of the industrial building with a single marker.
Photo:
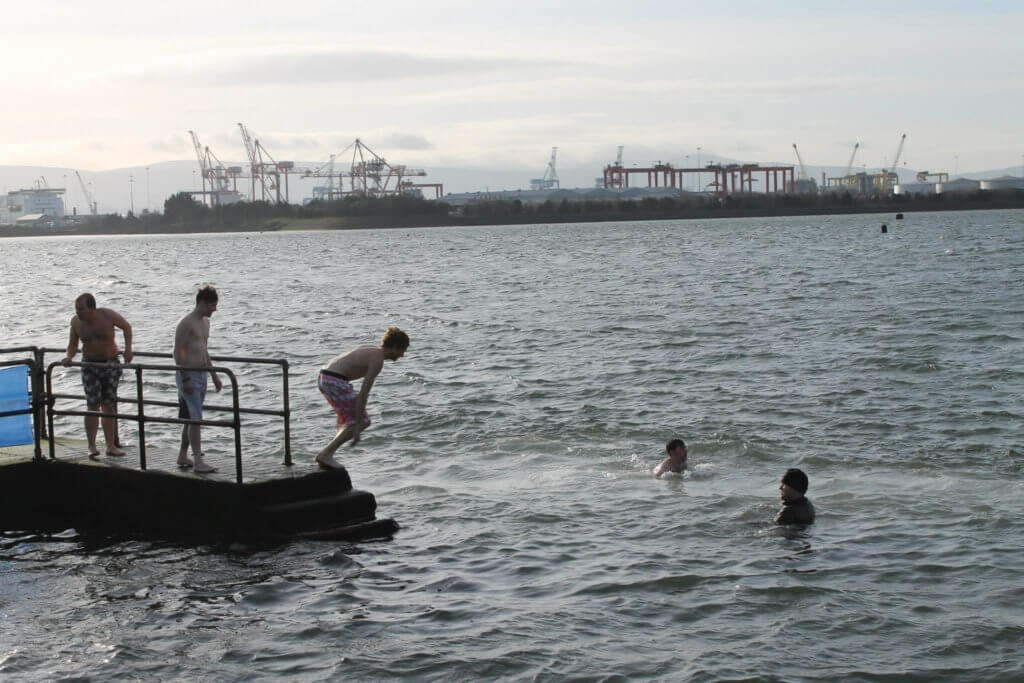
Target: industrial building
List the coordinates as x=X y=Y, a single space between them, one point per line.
x=43 y=206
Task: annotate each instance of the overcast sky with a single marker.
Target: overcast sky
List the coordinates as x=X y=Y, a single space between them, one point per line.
x=102 y=85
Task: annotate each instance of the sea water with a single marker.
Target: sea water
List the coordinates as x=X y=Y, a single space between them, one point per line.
x=514 y=445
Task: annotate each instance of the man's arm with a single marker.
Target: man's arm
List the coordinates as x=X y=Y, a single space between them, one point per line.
x=663 y=467
x=126 y=330
x=372 y=370
x=72 y=345
x=206 y=354
x=213 y=375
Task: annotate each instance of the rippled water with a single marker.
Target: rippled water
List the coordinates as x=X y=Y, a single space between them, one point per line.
x=514 y=442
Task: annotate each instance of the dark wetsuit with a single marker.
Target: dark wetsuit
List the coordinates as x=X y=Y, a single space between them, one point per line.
x=799 y=511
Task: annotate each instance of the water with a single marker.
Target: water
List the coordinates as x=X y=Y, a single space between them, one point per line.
x=514 y=443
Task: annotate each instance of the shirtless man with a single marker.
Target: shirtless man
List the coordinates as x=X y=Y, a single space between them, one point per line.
x=94 y=327
x=190 y=342
x=676 y=460
x=335 y=383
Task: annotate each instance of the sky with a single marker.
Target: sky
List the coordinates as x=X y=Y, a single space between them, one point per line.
x=113 y=84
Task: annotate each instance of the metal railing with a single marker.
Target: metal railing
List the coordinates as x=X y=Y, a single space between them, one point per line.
x=43 y=399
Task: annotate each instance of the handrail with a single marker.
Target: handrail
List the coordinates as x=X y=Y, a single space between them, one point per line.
x=141 y=418
x=284 y=413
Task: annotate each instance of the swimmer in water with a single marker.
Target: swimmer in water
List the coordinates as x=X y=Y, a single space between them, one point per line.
x=676 y=460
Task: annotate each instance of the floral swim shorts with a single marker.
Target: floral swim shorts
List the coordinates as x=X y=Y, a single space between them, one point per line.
x=342 y=396
x=100 y=382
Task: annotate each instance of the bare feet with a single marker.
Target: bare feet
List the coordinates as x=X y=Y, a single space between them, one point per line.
x=115 y=451
x=184 y=462
x=202 y=467
x=328 y=462
x=94 y=453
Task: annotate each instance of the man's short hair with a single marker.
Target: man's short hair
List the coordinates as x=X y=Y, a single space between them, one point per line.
x=207 y=293
x=796 y=479
x=88 y=299
x=674 y=444
x=394 y=338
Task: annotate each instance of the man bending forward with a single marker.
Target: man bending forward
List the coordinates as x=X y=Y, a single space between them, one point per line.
x=335 y=383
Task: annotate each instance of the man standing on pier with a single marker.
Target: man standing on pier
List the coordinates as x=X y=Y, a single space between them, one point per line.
x=335 y=383
x=190 y=350
x=94 y=327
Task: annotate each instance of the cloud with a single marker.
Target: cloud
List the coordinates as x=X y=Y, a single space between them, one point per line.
x=329 y=66
x=407 y=141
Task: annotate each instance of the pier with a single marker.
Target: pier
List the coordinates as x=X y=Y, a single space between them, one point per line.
x=49 y=482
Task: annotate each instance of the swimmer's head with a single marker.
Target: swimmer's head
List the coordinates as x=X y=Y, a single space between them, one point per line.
x=676 y=448
x=793 y=484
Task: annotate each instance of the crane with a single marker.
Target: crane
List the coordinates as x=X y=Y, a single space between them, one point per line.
x=899 y=151
x=803 y=170
x=88 y=195
x=849 y=165
x=550 y=179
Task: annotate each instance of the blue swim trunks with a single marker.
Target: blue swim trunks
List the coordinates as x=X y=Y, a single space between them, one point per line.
x=190 y=403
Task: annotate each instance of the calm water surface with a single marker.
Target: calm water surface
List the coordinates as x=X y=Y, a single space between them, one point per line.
x=514 y=443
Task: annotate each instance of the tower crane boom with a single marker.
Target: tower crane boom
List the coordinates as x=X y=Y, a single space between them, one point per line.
x=849 y=165
x=551 y=175
x=88 y=195
x=803 y=170
x=199 y=152
x=899 y=151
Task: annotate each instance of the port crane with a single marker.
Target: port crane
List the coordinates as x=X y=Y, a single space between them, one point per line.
x=550 y=179
x=803 y=170
x=211 y=169
x=888 y=176
x=849 y=165
x=88 y=195
x=265 y=169
x=370 y=175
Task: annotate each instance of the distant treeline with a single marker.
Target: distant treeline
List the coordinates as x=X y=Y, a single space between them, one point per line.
x=182 y=213
x=736 y=205
x=184 y=209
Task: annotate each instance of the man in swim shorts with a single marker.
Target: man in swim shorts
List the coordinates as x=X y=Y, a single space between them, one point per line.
x=190 y=350
x=676 y=460
x=335 y=383
x=796 y=509
x=95 y=329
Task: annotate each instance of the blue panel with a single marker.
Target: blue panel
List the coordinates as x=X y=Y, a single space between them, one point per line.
x=16 y=429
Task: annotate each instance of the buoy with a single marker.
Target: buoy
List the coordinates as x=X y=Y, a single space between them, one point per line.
x=899 y=216
x=885 y=228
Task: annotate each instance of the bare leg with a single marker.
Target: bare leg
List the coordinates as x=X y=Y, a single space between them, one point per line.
x=91 y=426
x=194 y=437
x=184 y=462
x=109 y=432
x=325 y=458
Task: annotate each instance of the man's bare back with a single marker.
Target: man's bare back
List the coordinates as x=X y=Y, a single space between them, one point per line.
x=335 y=383
x=355 y=364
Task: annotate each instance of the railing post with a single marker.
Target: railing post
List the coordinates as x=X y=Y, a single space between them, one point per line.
x=49 y=411
x=287 y=416
x=141 y=412
x=38 y=411
x=237 y=427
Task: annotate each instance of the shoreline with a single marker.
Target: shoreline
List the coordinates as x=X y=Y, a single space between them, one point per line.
x=378 y=222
